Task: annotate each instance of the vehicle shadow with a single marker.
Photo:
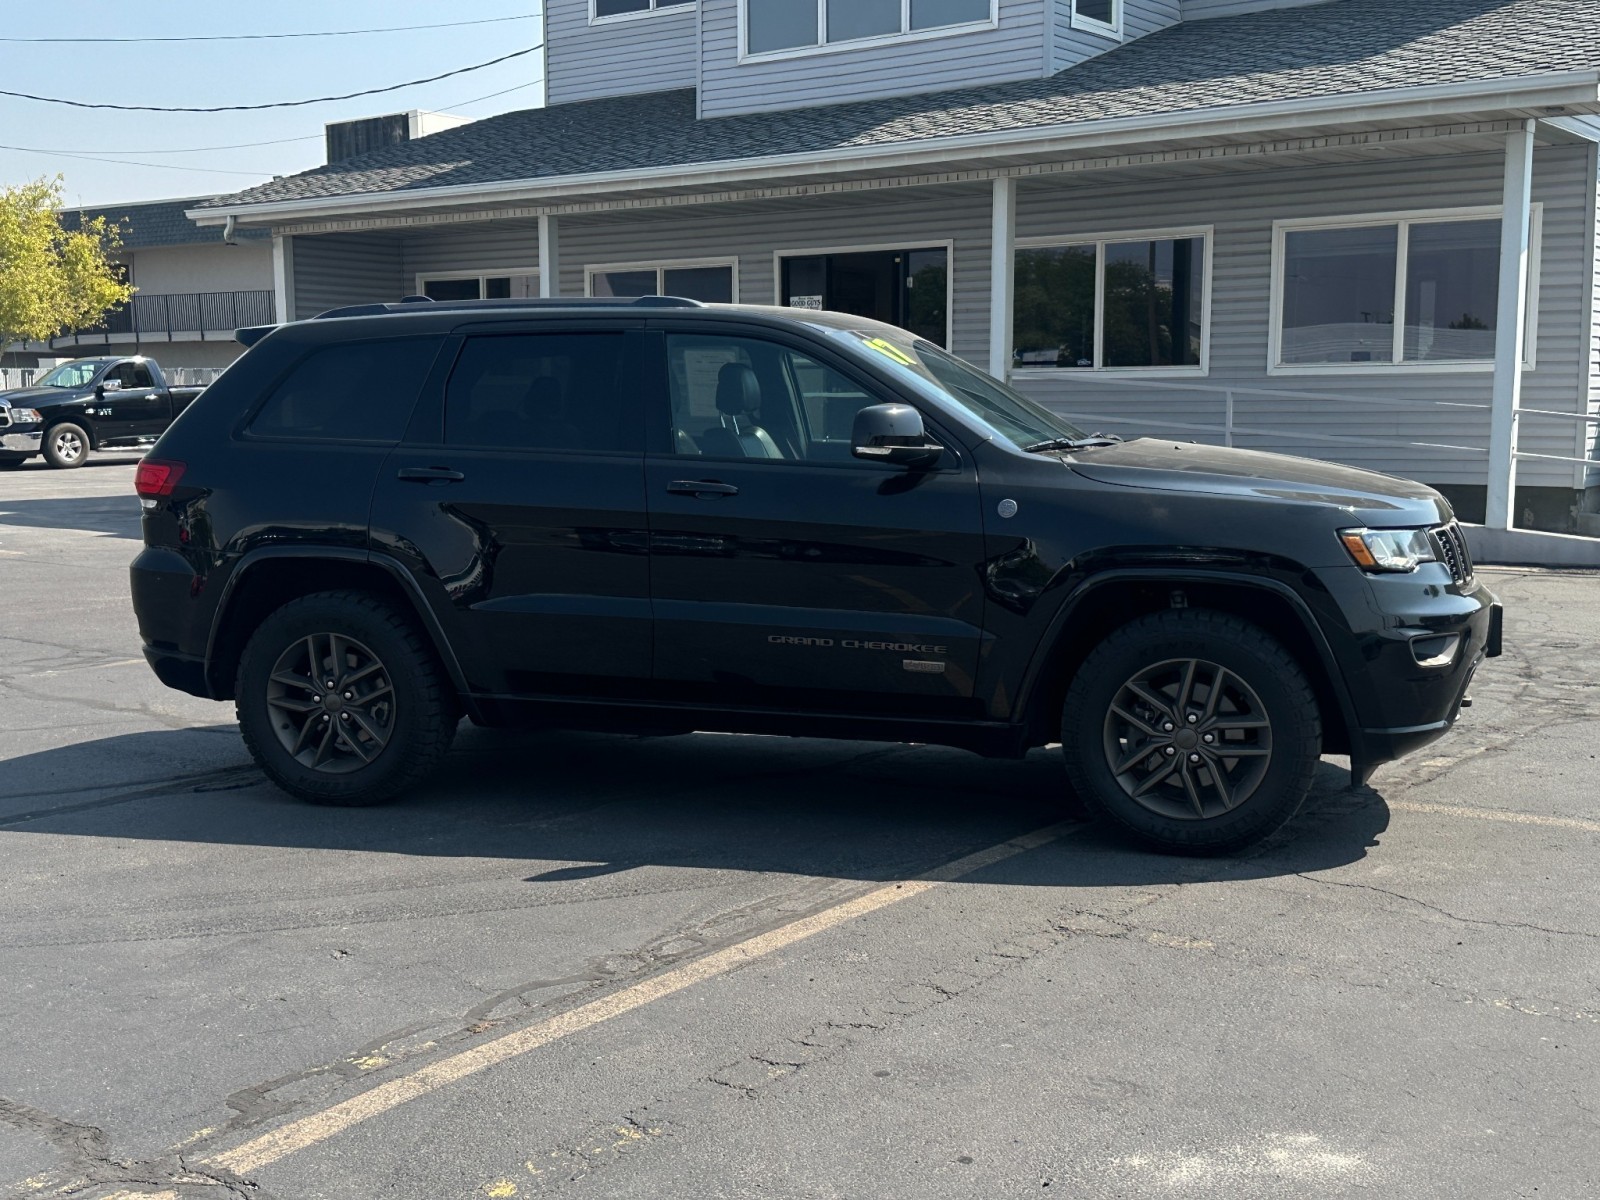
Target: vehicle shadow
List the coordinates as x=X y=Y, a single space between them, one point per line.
x=566 y=806
x=115 y=516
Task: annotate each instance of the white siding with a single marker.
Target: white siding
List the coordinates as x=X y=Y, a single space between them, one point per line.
x=332 y=270
x=1589 y=441
x=1199 y=10
x=163 y=270
x=1242 y=208
x=614 y=58
x=1016 y=50
x=489 y=247
x=1069 y=46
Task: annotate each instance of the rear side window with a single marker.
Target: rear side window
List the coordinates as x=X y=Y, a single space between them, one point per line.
x=358 y=391
x=546 y=391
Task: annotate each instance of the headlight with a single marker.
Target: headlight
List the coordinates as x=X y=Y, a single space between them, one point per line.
x=1388 y=550
x=24 y=416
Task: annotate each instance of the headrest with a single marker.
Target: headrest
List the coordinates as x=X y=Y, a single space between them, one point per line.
x=738 y=390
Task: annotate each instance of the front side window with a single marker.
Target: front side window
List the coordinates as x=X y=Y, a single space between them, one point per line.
x=1133 y=304
x=544 y=391
x=711 y=282
x=746 y=398
x=358 y=391
x=1098 y=16
x=623 y=8
x=1400 y=292
x=776 y=25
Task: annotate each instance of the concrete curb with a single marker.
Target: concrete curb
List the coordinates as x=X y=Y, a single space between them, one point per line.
x=1527 y=547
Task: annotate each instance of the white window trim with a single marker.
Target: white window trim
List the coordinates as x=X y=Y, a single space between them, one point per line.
x=1280 y=231
x=658 y=266
x=906 y=34
x=948 y=245
x=1090 y=25
x=482 y=277
x=1207 y=236
x=656 y=9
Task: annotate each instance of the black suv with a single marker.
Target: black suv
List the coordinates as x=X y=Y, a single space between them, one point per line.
x=665 y=516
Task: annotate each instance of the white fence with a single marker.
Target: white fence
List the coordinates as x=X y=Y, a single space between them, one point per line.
x=21 y=377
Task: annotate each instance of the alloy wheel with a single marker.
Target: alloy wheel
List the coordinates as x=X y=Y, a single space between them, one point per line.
x=331 y=703
x=68 y=446
x=1188 y=739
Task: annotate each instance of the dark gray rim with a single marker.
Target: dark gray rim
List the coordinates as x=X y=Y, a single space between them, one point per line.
x=331 y=702
x=1188 y=739
x=68 y=445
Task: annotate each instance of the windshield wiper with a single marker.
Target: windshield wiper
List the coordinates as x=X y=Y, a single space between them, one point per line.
x=1067 y=443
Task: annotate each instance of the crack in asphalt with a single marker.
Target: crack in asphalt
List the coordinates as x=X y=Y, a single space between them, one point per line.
x=1444 y=912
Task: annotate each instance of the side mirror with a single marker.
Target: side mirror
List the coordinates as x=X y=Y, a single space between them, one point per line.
x=893 y=433
x=109 y=385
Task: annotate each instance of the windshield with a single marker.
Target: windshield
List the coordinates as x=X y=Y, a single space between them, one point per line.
x=1008 y=413
x=80 y=372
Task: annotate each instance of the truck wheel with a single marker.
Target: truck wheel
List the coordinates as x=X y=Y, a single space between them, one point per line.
x=342 y=702
x=1193 y=730
x=66 y=445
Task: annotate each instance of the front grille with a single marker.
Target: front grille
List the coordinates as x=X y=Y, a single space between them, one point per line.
x=5 y=417
x=1453 y=552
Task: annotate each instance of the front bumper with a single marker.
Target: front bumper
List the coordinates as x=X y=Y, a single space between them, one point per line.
x=14 y=441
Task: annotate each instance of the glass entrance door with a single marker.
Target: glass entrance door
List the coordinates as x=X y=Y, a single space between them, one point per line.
x=908 y=288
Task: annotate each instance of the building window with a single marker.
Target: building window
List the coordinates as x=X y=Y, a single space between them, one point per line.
x=1404 y=292
x=774 y=26
x=1098 y=16
x=479 y=285
x=601 y=9
x=1115 y=303
x=713 y=281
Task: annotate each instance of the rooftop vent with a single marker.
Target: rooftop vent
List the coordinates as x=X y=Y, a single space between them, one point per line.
x=347 y=139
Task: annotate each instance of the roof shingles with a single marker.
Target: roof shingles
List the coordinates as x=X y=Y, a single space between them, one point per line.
x=1339 y=48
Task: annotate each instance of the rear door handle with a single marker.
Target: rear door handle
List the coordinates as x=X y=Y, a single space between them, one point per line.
x=429 y=475
x=705 y=489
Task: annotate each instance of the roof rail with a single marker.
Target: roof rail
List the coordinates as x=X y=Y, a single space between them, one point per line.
x=416 y=303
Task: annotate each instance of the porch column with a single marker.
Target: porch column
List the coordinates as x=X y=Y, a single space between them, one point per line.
x=1511 y=327
x=549 y=257
x=282 y=278
x=1001 y=283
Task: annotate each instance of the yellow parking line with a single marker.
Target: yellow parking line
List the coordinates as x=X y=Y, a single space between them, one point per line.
x=1495 y=814
x=320 y=1126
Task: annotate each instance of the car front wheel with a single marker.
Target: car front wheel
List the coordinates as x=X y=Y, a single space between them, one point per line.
x=342 y=702
x=1193 y=730
x=66 y=446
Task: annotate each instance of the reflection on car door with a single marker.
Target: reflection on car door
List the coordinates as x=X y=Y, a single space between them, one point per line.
x=783 y=570
x=525 y=502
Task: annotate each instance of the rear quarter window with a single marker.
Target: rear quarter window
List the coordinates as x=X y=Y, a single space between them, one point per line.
x=354 y=391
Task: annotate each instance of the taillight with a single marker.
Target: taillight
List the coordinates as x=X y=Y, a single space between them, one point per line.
x=156 y=477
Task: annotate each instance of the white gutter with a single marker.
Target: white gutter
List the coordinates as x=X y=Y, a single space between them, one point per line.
x=1573 y=90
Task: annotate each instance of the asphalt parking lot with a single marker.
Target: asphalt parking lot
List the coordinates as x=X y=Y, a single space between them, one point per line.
x=742 y=966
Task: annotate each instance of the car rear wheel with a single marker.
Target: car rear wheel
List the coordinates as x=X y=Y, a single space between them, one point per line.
x=341 y=701
x=65 y=446
x=1193 y=730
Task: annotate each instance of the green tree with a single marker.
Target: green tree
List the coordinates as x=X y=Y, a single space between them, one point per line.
x=52 y=279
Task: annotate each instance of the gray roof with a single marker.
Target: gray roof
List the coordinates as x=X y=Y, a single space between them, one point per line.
x=155 y=223
x=1325 y=51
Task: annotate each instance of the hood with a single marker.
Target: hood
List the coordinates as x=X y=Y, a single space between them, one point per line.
x=1378 y=500
x=37 y=397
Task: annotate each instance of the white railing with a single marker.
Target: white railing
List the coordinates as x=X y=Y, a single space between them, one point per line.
x=1227 y=403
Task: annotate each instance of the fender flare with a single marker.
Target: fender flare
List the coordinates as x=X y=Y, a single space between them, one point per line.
x=1053 y=634
x=393 y=567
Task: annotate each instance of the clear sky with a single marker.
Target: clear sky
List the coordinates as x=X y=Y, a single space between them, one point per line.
x=237 y=72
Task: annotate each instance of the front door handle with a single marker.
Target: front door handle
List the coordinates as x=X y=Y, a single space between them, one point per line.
x=429 y=475
x=704 y=489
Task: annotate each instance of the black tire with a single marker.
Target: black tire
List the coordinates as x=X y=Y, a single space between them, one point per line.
x=9 y=461
x=370 y=739
x=1152 y=713
x=66 y=446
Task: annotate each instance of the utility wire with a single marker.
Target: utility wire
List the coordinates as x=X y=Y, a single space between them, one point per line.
x=310 y=137
x=125 y=162
x=261 y=37
x=395 y=87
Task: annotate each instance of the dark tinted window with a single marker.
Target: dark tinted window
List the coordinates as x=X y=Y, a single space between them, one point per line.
x=545 y=391
x=131 y=375
x=358 y=391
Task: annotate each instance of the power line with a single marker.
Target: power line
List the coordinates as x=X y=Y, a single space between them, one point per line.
x=395 y=87
x=130 y=163
x=260 y=37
